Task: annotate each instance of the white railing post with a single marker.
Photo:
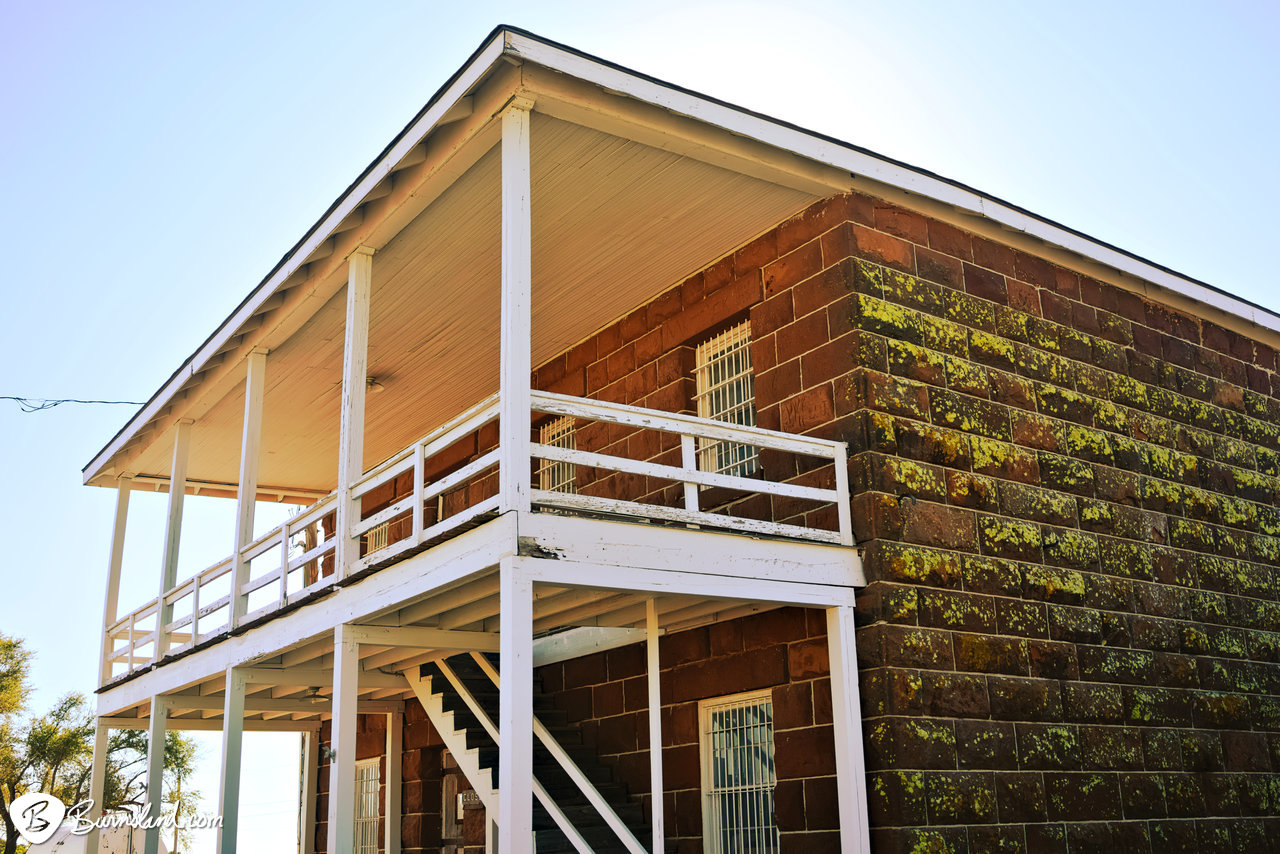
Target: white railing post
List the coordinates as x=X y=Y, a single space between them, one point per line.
x=419 y=473
x=111 y=602
x=516 y=351
x=355 y=363
x=307 y=811
x=342 y=771
x=172 y=534
x=656 y=788
x=515 y=707
x=232 y=750
x=97 y=784
x=395 y=736
x=155 y=770
x=843 y=508
x=284 y=565
x=247 y=491
x=851 y=772
x=689 y=461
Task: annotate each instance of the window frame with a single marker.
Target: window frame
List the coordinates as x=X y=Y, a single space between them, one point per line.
x=712 y=835
x=556 y=475
x=728 y=397
x=361 y=820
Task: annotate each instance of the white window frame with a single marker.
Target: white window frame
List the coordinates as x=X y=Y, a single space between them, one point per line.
x=555 y=475
x=367 y=788
x=726 y=392
x=754 y=827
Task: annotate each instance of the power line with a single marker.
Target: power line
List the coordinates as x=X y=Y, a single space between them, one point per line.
x=36 y=404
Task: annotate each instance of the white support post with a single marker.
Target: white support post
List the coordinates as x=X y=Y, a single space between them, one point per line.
x=514 y=472
x=172 y=534
x=247 y=491
x=97 y=784
x=851 y=772
x=656 y=788
x=689 y=461
x=355 y=365
x=232 y=750
x=307 y=809
x=155 y=770
x=111 y=603
x=395 y=744
x=515 y=710
x=342 y=772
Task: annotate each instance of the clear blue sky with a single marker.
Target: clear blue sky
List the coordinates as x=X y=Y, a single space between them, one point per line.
x=156 y=160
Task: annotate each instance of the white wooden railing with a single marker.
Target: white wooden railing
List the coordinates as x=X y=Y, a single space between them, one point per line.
x=285 y=565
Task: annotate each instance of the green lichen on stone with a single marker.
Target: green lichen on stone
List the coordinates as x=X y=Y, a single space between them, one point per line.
x=969 y=311
x=887 y=319
x=989 y=455
x=1128 y=391
x=1056 y=584
x=1001 y=533
x=931 y=842
x=944 y=336
x=1170 y=464
x=873 y=273
x=911 y=360
x=913 y=292
x=1108 y=416
x=923 y=566
x=1043 y=334
x=991 y=349
x=1060 y=402
x=1096 y=513
x=1160 y=494
x=965 y=376
x=1238 y=513
x=1044 y=366
x=907 y=477
x=1268 y=461
x=1011 y=324
x=881 y=433
x=1065 y=473
x=1254 y=484
x=1053 y=746
x=1087 y=444
x=1070 y=548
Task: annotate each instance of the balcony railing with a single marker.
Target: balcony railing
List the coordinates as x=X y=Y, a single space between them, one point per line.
x=629 y=463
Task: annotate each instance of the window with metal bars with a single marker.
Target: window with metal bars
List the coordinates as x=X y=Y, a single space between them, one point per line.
x=366 y=819
x=554 y=475
x=738 y=776
x=726 y=392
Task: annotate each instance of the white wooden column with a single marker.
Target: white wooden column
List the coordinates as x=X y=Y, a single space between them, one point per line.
x=515 y=709
x=307 y=810
x=851 y=771
x=155 y=769
x=395 y=745
x=172 y=533
x=97 y=784
x=232 y=750
x=656 y=788
x=111 y=602
x=247 y=491
x=517 y=300
x=355 y=365
x=342 y=772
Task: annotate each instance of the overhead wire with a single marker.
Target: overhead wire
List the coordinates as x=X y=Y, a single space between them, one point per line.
x=36 y=404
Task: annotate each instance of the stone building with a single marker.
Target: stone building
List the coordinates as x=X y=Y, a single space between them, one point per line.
x=677 y=395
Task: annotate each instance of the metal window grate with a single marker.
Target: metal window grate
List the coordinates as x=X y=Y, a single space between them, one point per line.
x=366 y=819
x=375 y=539
x=553 y=475
x=738 y=776
x=726 y=392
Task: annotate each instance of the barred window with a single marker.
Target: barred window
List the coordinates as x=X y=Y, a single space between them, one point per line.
x=366 y=818
x=738 y=776
x=554 y=475
x=726 y=392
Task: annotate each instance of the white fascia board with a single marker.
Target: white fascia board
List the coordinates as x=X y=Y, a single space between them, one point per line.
x=441 y=112
x=867 y=165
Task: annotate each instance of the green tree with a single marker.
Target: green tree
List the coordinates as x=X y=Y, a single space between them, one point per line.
x=53 y=753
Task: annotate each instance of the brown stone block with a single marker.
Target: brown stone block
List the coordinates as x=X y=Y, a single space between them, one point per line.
x=808 y=659
x=969 y=414
x=906 y=646
x=985 y=284
x=1082 y=796
x=899 y=222
x=1023 y=699
x=1024 y=619
x=938 y=267
x=730 y=674
x=878 y=247
x=911 y=743
x=987 y=745
x=992 y=255
x=961 y=797
x=1092 y=703
x=990 y=654
x=1050 y=660
x=792 y=268
x=950 y=240
x=805 y=752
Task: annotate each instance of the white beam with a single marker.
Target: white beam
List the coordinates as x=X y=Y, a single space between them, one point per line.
x=172 y=532
x=395 y=745
x=250 y=450
x=516 y=351
x=851 y=772
x=582 y=640
x=656 y=788
x=355 y=364
x=232 y=749
x=260 y=705
x=155 y=770
x=423 y=637
x=111 y=603
x=307 y=809
x=342 y=771
x=318 y=677
x=213 y=725
x=97 y=783
x=515 y=706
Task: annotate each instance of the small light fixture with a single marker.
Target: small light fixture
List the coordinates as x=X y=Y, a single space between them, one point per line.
x=373 y=386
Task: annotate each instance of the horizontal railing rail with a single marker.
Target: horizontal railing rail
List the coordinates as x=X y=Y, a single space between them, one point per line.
x=298 y=558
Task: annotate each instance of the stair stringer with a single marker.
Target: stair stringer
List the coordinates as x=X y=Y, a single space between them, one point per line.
x=468 y=758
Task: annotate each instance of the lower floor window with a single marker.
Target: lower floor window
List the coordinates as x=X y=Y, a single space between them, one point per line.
x=366 y=807
x=738 y=774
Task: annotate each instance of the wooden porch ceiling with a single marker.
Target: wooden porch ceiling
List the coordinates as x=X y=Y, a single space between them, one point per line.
x=615 y=222
x=471 y=607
